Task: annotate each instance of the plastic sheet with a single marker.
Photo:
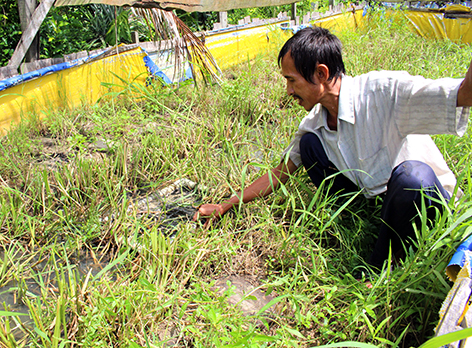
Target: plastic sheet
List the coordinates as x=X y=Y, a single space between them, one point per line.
x=234 y=47
x=13 y=81
x=342 y=21
x=441 y=26
x=155 y=70
x=455 y=313
x=61 y=86
x=462 y=257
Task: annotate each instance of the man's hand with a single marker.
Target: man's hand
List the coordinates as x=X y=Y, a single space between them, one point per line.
x=209 y=212
x=259 y=188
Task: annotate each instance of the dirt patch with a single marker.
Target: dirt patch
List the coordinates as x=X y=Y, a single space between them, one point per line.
x=51 y=153
x=246 y=295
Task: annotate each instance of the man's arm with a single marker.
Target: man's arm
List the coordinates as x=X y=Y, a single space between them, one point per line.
x=262 y=187
x=464 y=95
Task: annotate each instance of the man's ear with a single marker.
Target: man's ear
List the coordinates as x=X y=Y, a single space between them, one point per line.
x=322 y=72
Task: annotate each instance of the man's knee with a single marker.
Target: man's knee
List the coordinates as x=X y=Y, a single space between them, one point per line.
x=412 y=180
x=311 y=151
x=308 y=142
x=413 y=175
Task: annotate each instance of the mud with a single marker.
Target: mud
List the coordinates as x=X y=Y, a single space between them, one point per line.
x=40 y=274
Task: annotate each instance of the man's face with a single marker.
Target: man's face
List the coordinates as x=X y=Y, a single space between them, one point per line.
x=308 y=94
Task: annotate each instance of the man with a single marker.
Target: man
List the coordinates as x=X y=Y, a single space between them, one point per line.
x=373 y=128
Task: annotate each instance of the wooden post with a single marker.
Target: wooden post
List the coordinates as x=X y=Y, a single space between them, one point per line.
x=294 y=11
x=330 y=4
x=135 y=37
x=29 y=34
x=26 y=9
x=223 y=19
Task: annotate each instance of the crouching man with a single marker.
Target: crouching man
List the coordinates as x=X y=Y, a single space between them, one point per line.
x=373 y=127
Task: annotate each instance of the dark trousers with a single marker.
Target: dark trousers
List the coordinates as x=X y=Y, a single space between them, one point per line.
x=410 y=183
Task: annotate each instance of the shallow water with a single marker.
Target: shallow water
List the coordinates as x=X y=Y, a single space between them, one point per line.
x=33 y=272
x=34 y=276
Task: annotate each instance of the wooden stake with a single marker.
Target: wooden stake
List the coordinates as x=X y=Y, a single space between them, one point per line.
x=29 y=34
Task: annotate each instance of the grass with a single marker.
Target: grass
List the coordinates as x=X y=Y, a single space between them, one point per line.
x=63 y=199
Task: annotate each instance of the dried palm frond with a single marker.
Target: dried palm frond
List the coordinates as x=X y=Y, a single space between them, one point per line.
x=181 y=43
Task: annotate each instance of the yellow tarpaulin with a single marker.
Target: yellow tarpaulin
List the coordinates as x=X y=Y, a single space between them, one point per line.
x=438 y=26
x=71 y=87
x=234 y=47
x=342 y=21
x=435 y=25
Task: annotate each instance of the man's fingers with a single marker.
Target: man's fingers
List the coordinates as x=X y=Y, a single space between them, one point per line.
x=199 y=214
x=207 y=211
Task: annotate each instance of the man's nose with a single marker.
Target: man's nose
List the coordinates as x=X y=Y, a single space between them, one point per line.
x=289 y=89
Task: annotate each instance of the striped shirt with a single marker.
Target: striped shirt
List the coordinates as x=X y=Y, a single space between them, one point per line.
x=384 y=118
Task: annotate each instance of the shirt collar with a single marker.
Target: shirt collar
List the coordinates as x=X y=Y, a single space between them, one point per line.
x=345 y=107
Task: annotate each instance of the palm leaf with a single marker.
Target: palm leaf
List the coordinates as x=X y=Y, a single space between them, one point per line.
x=174 y=35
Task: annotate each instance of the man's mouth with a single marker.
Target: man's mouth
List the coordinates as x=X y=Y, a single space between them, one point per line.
x=296 y=97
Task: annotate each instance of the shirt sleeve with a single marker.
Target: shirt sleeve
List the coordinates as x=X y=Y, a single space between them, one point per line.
x=293 y=150
x=425 y=106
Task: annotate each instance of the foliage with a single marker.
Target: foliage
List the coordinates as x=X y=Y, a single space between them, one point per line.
x=70 y=29
x=198 y=21
x=111 y=25
x=76 y=28
x=10 y=29
x=101 y=18
x=64 y=31
x=63 y=206
x=303 y=7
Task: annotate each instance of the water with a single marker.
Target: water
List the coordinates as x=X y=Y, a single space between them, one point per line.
x=32 y=272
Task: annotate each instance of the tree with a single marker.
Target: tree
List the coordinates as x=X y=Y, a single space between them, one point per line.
x=10 y=29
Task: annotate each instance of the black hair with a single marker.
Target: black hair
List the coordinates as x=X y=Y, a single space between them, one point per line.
x=312 y=46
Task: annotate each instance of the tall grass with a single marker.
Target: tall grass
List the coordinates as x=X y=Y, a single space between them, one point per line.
x=158 y=291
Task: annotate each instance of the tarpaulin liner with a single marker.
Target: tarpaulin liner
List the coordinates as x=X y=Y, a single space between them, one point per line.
x=234 y=47
x=441 y=26
x=85 y=83
x=342 y=21
x=461 y=257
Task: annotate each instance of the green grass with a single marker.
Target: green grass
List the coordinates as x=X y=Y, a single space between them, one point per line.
x=300 y=245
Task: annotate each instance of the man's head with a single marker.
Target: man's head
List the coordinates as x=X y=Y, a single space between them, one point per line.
x=310 y=60
x=312 y=46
